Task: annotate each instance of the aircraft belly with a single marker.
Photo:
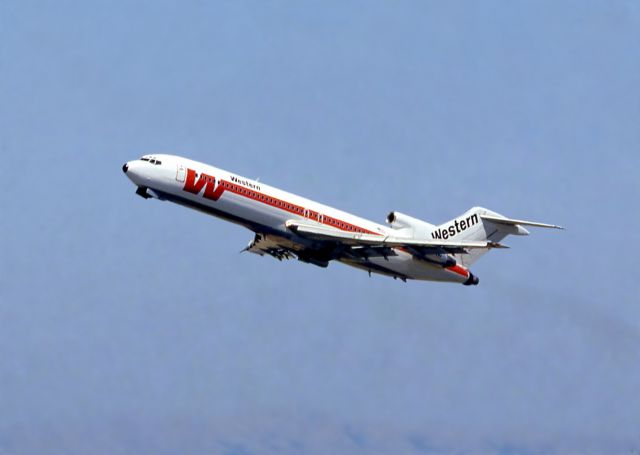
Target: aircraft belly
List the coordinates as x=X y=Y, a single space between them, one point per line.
x=404 y=265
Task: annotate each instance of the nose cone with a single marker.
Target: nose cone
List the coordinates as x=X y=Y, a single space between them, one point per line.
x=132 y=170
x=138 y=172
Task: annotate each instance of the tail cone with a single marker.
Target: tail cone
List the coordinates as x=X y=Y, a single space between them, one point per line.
x=472 y=280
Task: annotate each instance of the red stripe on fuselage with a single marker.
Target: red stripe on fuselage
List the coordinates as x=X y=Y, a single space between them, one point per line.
x=454 y=268
x=459 y=270
x=207 y=182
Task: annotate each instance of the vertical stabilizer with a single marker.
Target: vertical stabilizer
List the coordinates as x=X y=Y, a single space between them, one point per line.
x=472 y=226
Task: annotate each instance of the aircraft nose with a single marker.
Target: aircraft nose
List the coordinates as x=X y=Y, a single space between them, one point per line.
x=125 y=168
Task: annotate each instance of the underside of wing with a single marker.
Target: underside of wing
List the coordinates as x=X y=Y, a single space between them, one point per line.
x=265 y=244
x=281 y=248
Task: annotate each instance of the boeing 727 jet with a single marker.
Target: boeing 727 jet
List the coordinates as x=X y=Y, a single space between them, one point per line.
x=288 y=226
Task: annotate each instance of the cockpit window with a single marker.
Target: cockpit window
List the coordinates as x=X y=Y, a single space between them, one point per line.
x=151 y=160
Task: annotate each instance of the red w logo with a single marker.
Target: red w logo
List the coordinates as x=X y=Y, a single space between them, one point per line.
x=204 y=181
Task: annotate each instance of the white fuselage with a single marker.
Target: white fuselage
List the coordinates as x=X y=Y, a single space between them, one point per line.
x=265 y=209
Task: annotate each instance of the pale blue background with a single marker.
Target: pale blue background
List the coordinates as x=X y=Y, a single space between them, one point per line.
x=131 y=326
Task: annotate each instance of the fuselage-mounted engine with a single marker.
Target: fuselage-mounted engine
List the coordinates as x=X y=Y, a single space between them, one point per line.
x=410 y=227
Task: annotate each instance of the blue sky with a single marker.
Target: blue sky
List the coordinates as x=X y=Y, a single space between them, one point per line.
x=132 y=326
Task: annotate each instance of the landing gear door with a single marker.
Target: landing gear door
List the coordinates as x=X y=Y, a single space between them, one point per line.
x=180 y=172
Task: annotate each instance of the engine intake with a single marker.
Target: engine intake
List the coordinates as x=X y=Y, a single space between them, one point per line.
x=409 y=225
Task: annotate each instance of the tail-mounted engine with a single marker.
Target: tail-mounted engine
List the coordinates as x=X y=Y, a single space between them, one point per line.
x=409 y=226
x=415 y=228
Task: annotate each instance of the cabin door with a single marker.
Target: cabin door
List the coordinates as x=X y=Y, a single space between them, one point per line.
x=180 y=172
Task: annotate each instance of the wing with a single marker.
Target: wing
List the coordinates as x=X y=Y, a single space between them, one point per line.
x=265 y=244
x=357 y=239
x=315 y=252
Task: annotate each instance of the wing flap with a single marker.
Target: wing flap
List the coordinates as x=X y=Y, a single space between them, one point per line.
x=319 y=232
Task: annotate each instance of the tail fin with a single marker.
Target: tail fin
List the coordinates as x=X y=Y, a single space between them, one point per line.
x=480 y=224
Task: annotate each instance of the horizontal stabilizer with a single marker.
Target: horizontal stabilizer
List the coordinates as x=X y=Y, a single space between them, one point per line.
x=510 y=222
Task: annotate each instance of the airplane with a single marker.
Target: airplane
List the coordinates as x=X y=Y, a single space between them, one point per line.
x=287 y=226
